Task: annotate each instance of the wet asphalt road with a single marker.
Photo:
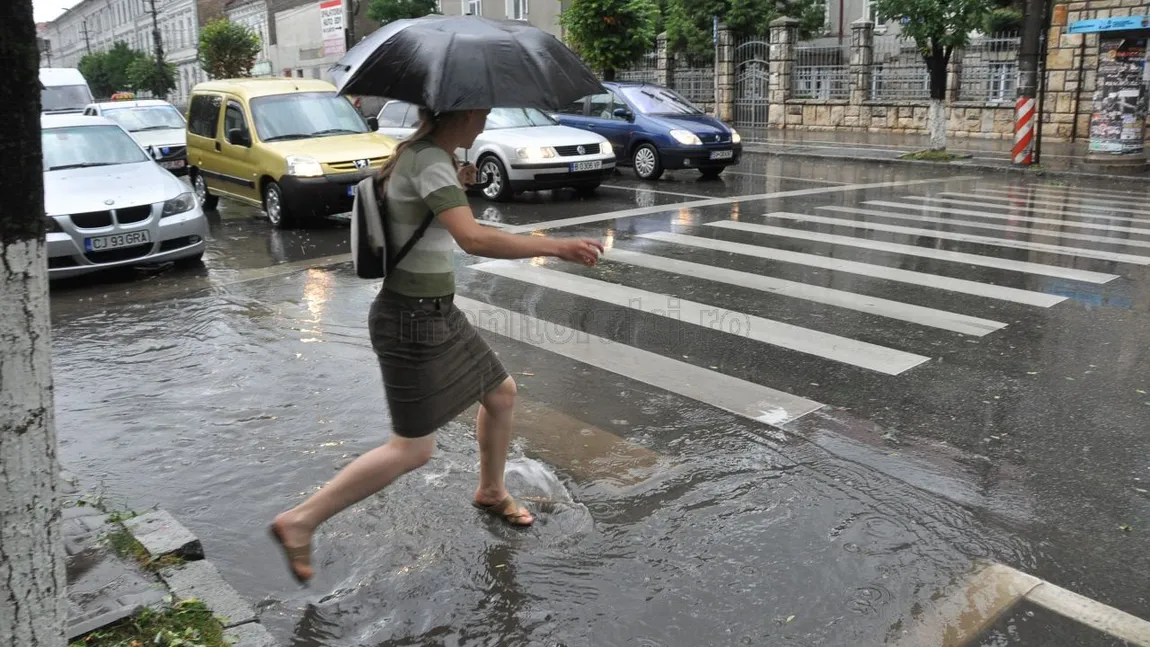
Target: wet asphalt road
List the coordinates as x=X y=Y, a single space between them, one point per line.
x=744 y=427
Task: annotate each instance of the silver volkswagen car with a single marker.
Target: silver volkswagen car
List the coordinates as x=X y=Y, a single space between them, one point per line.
x=108 y=203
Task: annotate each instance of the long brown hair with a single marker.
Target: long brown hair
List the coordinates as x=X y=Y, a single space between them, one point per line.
x=428 y=123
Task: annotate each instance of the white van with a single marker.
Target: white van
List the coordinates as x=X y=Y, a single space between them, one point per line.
x=63 y=90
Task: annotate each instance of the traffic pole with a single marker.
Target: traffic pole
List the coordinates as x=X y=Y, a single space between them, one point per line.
x=1023 y=151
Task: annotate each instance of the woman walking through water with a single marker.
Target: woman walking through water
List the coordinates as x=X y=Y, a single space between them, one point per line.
x=434 y=362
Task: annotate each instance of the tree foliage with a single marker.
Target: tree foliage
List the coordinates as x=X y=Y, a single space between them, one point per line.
x=228 y=50
x=385 y=11
x=107 y=72
x=610 y=34
x=143 y=74
x=689 y=23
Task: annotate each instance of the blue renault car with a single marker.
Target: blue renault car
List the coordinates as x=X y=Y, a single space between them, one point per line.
x=653 y=128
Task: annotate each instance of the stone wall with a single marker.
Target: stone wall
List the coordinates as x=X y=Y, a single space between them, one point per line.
x=905 y=117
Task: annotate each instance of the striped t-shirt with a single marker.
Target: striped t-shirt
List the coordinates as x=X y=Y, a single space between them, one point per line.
x=424 y=178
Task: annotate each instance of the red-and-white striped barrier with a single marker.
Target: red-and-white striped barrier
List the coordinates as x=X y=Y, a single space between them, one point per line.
x=1023 y=131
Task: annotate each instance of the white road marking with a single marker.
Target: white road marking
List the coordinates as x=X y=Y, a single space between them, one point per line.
x=1013 y=206
x=639 y=189
x=970 y=238
x=645 y=211
x=776 y=333
x=914 y=250
x=731 y=394
x=1004 y=216
x=1076 y=191
x=986 y=290
x=942 y=319
x=1120 y=205
x=782 y=177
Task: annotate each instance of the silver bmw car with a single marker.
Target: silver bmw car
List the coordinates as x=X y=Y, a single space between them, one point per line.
x=108 y=203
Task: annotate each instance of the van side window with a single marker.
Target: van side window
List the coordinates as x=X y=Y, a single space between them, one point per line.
x=204 y=115
x=234 y=119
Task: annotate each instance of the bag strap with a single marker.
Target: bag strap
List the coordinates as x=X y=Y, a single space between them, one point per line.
x=392 y=262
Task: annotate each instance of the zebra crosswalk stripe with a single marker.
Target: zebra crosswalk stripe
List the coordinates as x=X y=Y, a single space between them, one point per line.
x=934 y=281
x=1013 y=207
x=776 y=333
x=986 y=213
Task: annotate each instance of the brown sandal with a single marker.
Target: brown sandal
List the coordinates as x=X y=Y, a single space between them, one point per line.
x=508 y=508
x=298 y=556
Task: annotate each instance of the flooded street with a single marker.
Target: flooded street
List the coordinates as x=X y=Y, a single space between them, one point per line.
x=801 y=405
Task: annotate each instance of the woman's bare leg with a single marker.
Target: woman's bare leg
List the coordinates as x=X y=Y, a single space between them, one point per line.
x=493 y=425
x=361 y=478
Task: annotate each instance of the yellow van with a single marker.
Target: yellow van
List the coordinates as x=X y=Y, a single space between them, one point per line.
x=293 y=147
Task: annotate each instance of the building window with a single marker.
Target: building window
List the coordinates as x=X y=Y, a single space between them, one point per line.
x=872 y=16
x=1003 y=82
x=473 y=7
x=517 y=9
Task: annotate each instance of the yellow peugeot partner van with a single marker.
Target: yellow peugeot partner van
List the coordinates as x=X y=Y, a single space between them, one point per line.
x=293 y=147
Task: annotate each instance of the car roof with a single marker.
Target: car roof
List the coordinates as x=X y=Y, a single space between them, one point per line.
x=61 y=75
x=75 y=119
x=134 y=103
x=264 y=86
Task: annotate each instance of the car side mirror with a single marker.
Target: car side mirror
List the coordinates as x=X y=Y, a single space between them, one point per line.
x=623 y=113
x=373 y=123
x=236 y=137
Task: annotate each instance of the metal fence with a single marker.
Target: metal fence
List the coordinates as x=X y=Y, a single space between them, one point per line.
x=990 y=69
x=899 y=72
x=822 y=72
x=694 y=78
x=645 y=70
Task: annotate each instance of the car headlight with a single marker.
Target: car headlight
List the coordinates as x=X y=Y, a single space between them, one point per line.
x=606 y=149
x=52 y=226
x=735 y=137
x=535 y=153
x=180 y=204
x=303 y=167
x=686 y=137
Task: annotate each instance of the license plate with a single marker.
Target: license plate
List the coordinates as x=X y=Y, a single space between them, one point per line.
x=722 y=155
x=586 y=166
x=351 y=190
x=175 y=164
x=101 y=243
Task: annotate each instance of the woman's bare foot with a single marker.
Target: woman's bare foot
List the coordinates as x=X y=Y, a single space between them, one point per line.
x=503 y=505
x=294 y=538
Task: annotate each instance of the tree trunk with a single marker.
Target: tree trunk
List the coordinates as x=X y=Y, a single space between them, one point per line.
x=32 y=580
x=937 y=64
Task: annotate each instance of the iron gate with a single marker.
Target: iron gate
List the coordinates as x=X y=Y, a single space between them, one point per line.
x=752 y=83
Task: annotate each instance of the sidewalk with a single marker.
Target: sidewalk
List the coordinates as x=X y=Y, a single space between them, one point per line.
x=149 y=568
x=1058 y=159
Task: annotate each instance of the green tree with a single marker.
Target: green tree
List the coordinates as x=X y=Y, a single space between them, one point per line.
x=228 y=50
x=143 y=74
x=385 y=11
x=937 y=28
x=689 y=23
x=610 y=34
x=107 y=72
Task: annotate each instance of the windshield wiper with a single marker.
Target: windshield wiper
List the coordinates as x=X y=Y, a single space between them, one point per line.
x=81 y=166
x=334 y=131
x=140 y=130
x=279 y=138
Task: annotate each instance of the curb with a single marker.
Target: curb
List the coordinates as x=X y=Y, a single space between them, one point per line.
x=161 y=535
x=981 y=166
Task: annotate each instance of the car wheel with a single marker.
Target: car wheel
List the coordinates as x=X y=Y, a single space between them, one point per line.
x=276 y=207
x=207 y=201
x=499 y=187
x=647 y=163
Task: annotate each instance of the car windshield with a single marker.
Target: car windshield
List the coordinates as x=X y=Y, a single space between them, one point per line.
x=517 y=118
x=136 y=119
x=84 y=146
x=304 y=115
x=652 y=100
x=64 y=97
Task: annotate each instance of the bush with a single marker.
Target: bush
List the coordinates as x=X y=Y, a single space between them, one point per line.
x=1001 y=20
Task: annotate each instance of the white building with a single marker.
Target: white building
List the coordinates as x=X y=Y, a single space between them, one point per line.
x=93 y=26
x=254 y=15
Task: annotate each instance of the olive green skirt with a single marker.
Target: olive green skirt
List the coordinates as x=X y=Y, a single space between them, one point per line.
x=434 y=362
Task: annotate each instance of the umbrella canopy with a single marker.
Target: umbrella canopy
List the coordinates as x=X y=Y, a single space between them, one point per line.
x=465 y=63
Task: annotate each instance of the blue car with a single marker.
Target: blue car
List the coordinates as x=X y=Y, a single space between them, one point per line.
x=653 y=128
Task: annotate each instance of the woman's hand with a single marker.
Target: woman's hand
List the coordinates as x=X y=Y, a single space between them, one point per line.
x=580 y=250
x=468 y=174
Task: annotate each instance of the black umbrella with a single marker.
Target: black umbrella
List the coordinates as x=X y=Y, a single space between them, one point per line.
x=465 y=63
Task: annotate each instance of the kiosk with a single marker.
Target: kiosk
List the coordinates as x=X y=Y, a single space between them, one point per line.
x=1118 y=118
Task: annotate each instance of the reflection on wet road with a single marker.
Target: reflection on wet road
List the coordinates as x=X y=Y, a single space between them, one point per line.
x=937 y=399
